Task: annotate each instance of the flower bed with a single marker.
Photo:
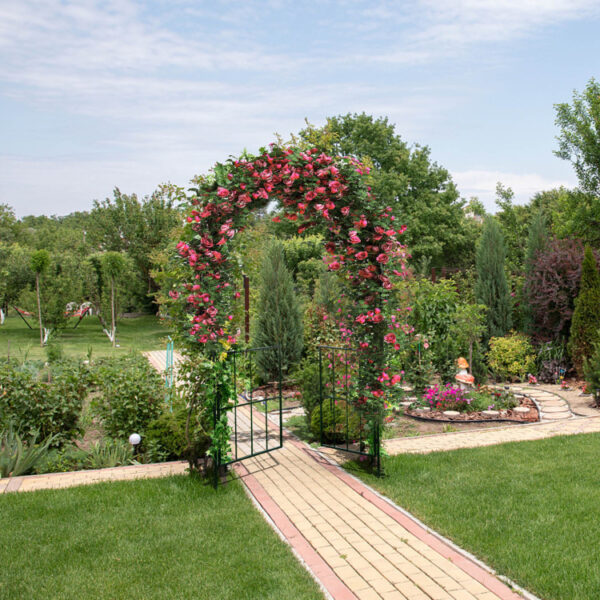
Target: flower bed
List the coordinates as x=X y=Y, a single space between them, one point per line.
x=451 y=404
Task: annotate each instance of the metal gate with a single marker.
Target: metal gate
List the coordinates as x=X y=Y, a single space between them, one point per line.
x=346 y=421
x=254 y=413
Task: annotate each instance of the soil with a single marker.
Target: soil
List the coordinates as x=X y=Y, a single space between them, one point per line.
x=405 y=426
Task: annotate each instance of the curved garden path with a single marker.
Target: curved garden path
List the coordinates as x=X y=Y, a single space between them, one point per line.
x=557 y=418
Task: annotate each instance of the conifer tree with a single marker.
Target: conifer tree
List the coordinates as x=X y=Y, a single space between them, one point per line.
x=279 y=317
x=536 y=242
x=585 y=326
x=491 y=288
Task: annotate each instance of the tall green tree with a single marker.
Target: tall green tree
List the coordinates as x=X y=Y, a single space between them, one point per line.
x=114 y=265
x=40 y=261
x=537 y=241
x=279 y=317
x=138 y=227
x=585 y=326
x=491 y=288
x=421 y=192
x=579 y=139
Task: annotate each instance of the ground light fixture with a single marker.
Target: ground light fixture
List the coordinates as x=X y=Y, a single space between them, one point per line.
x=134 y=440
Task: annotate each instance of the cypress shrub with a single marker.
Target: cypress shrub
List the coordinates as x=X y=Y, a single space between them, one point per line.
x=536 y=243
x=585 y=326
x=491 y=288
x=279 y=316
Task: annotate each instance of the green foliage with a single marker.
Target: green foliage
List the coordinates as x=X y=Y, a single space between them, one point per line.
x=109 y=453
x=579 y=139
x=166 y=435
x=491 y=288
x=131 y=393
x=19 y=458
x=591 y=371
x=46 y=403
x=420 y=192
x=467 y=328
x=585 y=325
x=336 y=424
x=40 y=261
x=537 y=240
x=303 y=258
x=307 y=377
x=511 y=357
x=63 y=460
x=319 y=330
x=279 y=318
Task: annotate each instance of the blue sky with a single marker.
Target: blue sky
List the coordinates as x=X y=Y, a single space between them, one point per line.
x=95 y=95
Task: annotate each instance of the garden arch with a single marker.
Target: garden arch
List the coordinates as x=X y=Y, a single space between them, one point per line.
x=361 y=242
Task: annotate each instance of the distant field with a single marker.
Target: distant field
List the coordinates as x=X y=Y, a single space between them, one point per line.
x=138 y=334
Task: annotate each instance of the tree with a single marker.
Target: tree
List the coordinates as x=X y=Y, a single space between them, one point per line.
x=536 y=242
x=579 y=139
x=279 y=318
x=113 y=266
x=137 y=227
x=585 y=326
x=421 y=193
x=468 y=327
x=491 y=288
x=40 y=260
x=514 y=223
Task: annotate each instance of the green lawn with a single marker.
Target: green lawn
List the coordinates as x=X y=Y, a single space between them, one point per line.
x=140 y=333
x=531 y=510
x=165 y=538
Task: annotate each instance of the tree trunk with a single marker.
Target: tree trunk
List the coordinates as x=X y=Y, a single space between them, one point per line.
x=37 y=289
x=471 y=358
x=112 y=306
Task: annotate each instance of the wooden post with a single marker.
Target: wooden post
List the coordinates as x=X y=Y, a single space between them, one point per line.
x=247 y=308
x=433 y=275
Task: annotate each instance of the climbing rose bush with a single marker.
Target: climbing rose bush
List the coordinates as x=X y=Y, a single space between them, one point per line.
x=361 y=242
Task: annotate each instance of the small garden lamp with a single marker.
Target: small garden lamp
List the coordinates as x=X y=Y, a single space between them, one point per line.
x=134 y=440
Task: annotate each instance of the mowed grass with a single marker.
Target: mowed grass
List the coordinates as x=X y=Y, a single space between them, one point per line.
x=135 y=334
x=164 y=538
x=531 y=510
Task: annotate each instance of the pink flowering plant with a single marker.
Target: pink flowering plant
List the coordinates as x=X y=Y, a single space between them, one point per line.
x=361 y=240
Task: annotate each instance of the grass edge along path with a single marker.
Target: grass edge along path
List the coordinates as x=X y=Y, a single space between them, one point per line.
x=530 y=510
x=163 y=538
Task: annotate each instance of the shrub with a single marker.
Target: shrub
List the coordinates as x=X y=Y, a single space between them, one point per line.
x=166 y=436
x=307 y=377
x=334 y=422
x=319 y=330
x=491 y=288
x=511 y=357
x=279 y=318
x=552 y=286
x=109 y=453
x=44 y=403
x=585 y=326
x=69 y=458
x=591 y=369
x=131 y=395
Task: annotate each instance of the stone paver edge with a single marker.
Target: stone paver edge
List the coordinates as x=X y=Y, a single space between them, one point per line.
x=14 y=483
x=467 y=562
x=324 y=575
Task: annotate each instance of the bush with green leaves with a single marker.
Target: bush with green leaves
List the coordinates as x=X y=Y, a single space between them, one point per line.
x=166 y=437
x=307 y=377
x=585 y=326
x=44 y=402
x=511 y=357
x=336 y=424
x=131 y=395
x=591 y=370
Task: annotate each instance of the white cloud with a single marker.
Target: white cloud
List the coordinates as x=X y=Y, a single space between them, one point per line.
x=483 y=185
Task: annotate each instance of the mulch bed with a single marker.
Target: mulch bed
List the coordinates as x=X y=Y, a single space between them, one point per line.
x=477 y=417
